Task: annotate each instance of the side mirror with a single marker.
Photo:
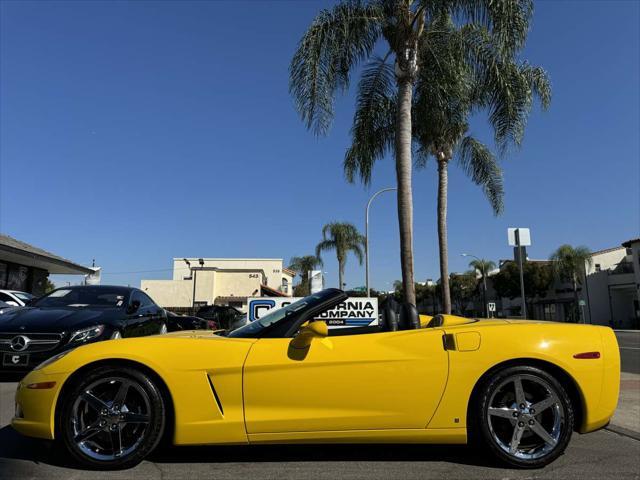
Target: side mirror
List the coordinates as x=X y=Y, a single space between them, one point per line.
x=133 y=307
x=303 y=339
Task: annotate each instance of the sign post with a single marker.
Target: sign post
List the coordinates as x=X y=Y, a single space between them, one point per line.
x=520 y=237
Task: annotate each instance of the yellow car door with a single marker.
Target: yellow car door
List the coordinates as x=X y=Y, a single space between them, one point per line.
x=387 y=380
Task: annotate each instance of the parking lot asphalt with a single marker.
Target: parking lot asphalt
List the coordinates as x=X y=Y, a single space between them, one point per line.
x=602 y=455
x=629 y=343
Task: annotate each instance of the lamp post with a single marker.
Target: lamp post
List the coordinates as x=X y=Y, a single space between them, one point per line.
x=366 y=234
x=484 y=283
x=194 y=273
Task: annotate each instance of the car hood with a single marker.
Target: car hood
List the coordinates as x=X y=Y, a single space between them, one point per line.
x=34 y=319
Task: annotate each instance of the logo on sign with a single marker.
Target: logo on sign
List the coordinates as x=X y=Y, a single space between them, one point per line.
x=259 y=308
x=353 y=312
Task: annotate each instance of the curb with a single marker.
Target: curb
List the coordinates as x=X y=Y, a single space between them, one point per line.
x=625 y=432
x=627 y=331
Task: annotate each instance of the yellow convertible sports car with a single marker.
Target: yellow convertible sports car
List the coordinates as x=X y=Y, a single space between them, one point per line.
x=517 y=388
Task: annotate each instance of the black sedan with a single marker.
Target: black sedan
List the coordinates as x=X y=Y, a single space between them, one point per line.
x=176 y=323
x=72 y=316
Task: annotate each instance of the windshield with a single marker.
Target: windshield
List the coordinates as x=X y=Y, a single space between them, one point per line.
x=253 y=329
x=24 y=296
x=85 y=297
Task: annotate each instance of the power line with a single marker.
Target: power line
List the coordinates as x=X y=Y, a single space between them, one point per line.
x=145 y=271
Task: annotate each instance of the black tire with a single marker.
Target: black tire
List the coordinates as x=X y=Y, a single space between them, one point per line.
x=145 y=435
x=491 y=431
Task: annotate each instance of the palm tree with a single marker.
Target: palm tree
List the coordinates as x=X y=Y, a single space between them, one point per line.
x=569 y=266
x=343 y=238
x=483 y=266
x=302 y=266
x=471 y=71
x=340 y=38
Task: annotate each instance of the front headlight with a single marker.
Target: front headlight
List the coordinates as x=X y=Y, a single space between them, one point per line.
x=55 y=358
x=86 y=334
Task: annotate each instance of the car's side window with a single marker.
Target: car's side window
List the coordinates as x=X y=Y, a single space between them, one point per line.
x=145 y=300
x=136 y=297
x=4 y=297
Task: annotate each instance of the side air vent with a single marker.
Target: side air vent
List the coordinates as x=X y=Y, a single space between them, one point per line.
x=215 y=395
x=449 y=341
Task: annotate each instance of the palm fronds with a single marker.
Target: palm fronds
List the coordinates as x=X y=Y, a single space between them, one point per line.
x=373 y=128
x=337 y=40
x=479 y=163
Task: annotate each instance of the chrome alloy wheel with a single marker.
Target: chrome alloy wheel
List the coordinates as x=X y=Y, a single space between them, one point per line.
x=110 y=418
x=163 y=329
x=525 y=416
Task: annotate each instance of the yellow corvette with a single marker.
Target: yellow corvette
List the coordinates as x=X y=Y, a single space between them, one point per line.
x=519 y=388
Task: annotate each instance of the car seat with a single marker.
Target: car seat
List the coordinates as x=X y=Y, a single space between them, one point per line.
x=398 y=316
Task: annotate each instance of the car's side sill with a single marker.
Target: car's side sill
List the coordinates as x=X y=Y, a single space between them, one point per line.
x=433 y=435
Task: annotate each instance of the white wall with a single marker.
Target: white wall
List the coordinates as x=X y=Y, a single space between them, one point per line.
x=218 y=277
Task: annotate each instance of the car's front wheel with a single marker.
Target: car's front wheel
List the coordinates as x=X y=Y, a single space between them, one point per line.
x=524 y=417
x=113 y=417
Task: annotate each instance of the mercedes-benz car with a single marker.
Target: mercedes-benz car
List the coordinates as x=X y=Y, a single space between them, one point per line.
x=518 y=388
x=72 y=316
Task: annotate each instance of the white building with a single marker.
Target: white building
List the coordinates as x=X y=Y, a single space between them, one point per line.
x=609 y=296
x=220 y=281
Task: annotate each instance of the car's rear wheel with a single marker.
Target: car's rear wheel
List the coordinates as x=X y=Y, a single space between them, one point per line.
x=111 y=418
x=524 y=416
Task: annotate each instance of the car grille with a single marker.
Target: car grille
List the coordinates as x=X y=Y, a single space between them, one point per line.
x=29 y=342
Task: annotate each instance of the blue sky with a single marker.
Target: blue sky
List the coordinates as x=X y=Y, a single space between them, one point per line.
x=135 y=132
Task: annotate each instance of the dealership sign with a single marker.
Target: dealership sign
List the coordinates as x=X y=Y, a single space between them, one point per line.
x=353 y=312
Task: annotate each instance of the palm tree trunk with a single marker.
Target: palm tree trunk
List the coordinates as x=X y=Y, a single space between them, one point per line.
x=340 y=273
x=405 y=195
x=442 y=235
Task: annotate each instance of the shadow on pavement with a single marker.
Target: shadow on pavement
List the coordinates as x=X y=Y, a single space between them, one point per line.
x=14 y=446
x=460 y=454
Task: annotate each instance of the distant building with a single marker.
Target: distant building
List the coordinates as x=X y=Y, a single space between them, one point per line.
x=610 y=295
x=25 y=267
x=220 y=281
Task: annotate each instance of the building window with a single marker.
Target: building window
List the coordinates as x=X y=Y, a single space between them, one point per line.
x=285 y=285
x=598 y=268
x=549 y=311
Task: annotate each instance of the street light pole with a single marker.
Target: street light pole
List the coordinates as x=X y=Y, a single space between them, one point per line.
x=366 y=234
x=194 y=273
x=484 y=283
